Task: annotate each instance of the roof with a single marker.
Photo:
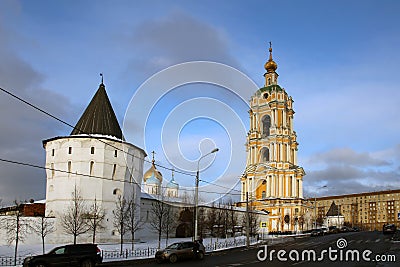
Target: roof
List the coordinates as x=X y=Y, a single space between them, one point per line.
x=333 y=210
x=99 y=117
x=272 y=87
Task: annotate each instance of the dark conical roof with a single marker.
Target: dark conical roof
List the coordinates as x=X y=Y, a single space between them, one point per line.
x=333 y=210
x=99 y=117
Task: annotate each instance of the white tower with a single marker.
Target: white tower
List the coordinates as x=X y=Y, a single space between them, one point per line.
x=97 y=161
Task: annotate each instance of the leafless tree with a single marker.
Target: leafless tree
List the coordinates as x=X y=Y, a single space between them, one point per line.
x=16 y=228
x=43 y=227
x=133 y=222
x=170 y=221
x=211 y=219
x=232 y=218
x=120 y=219
x=94 y=219
x=159 y=210
x=253 y=221
x=73 y=220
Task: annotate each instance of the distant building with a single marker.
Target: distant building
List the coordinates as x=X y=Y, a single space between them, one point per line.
x=368 y=211
x=272 y=181
x=97 y=161
x=334 y=217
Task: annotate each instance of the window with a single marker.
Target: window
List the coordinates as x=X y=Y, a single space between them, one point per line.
x=70 y=150
x=265 y=154
x=91 y=167
x=114 y=170
x=52 y=152
x=115 y=153
x=265 y=95
x=263 y=195
x=69 y=167
x=269 y=81
x=266 y=122
x=52 y=170
x=92 y=150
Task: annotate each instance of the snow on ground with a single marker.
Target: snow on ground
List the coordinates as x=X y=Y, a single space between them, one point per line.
x=215 y=243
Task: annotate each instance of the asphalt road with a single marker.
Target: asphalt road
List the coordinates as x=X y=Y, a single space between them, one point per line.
x=345 y=249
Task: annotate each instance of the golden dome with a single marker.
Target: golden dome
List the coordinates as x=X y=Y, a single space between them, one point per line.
x=152 y=172
x=270 y=65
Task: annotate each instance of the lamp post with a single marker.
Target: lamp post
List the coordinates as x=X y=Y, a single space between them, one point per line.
x=315 y=207
x=196 y=196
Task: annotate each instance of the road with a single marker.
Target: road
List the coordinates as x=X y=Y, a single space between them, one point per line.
x=368 y=247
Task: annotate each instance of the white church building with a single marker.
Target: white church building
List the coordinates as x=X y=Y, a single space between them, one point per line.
x=97 y=161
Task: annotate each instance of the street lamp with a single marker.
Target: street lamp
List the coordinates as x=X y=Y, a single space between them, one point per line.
x=315 y=207
x=196 y=200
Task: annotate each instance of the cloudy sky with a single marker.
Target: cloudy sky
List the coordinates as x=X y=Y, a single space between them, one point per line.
x=337 y=59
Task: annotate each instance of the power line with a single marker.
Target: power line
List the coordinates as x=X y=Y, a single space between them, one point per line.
x=94 y=176
x=230 y=189
x=90 y=135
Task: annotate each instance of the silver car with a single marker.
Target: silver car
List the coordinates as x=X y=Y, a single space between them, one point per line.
x=179 y=251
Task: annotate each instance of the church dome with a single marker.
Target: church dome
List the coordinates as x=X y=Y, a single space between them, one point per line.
x=173 y=184
x=270 y=65
x=153 y=181
x=152 y=172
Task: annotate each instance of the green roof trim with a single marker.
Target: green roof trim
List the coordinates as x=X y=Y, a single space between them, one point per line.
x=273 y=87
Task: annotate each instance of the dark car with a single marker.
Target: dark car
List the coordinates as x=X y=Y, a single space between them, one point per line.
x=345 y=229
x=79 y=255
x=333 y=230
x=179 y=251
x=389 y=229
x=317 y=232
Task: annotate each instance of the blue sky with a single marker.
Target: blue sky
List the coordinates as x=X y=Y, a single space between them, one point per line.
x=337 y=59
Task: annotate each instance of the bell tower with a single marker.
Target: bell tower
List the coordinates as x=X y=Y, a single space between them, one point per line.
x=272 y=181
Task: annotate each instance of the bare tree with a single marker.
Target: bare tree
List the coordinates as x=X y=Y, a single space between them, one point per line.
x=211 y=220
x=43 y=227
x=253 y=221
x=133 y=222
x=16 y=228
x=120 y=219
x=95 y=219
x=159 y=210
x=73 y=220
x=232 y=218
x=169 y=222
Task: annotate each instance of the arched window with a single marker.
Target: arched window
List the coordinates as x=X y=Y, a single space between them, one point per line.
x=265 y=154
x=266 y=123
x=263 y=195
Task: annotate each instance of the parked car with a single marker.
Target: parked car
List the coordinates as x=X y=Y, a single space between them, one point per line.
x=317 y=232
x=389 y=229
x=356 y=229
x=345 y=229
x=79 y=255
x=325 y=230
x=179 y=251
x=333 y=230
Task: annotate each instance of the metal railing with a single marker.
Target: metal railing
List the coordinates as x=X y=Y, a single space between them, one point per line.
x=140 y=253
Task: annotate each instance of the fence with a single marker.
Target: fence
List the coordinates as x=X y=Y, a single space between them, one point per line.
x=9 y=261
x=142 y=253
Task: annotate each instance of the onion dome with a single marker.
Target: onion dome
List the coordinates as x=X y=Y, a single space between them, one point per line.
x=270 y=65
x=153 y=180
x=152 y=172
x=173 y=184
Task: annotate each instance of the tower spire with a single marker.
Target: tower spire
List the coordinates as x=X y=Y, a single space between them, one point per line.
x=271 y=77
x=101 y=74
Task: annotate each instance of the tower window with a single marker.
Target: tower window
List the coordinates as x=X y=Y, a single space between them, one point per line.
x=265 y=154
x=52 y=170
x=265 y=95
x=70 y=150
x=263 y=195
x=52 y=152
x=266 y=122
x=114 y=170
x=91 y=167
x=115 y=153
x=69 y=167
x=269 y=81
x=92 y=150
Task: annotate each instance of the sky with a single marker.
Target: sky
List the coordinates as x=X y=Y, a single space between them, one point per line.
x=337 y=59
